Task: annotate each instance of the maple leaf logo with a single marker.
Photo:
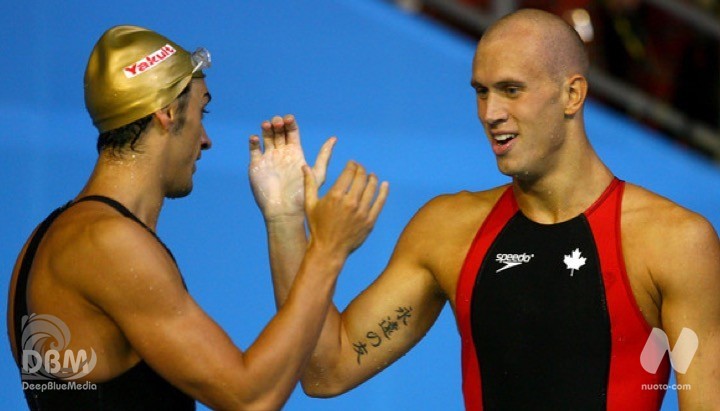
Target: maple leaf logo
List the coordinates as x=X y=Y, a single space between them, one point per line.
x=574 y=261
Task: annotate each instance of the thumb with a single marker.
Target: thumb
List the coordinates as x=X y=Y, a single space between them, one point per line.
x=310 y=188
x=322 y=160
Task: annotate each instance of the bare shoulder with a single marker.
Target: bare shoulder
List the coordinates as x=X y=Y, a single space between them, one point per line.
x=93 y=247
x=452 y=211
x=648 y=214
x=441 y=232
x=451 y=218
x=672 y=242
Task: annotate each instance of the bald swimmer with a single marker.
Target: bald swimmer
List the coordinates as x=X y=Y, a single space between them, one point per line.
x=557 y=280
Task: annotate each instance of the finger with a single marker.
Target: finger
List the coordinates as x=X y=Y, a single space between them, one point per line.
x=323 y=159
x=345 y=180
x=278 y=126
x=292 y=131
x=379 y=202
x=267 y=135
x=310 y=188
x=358 y=183
x=369 y=192
x=255 y=152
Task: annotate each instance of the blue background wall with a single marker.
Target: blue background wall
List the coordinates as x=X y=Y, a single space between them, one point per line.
x=393 y=87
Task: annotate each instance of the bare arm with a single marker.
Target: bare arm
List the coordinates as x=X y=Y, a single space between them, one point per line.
x=386 y=320
x=276 y=179
x=177 y=339
x=688 y=275
x=381 y=324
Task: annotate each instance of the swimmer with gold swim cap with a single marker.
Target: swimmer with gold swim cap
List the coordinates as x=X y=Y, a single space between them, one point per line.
x=133 y=71
x=96 y=268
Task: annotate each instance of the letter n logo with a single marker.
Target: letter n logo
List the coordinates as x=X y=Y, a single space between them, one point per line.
x=680 y=356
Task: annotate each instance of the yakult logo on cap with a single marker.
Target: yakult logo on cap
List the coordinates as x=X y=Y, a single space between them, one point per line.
x=150 y=61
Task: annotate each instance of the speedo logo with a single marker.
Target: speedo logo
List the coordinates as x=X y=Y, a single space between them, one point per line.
x=150 y=61
x=511 y=260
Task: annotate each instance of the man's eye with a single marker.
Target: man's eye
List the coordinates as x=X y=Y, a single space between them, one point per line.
x=481 y=92
x=512 y=91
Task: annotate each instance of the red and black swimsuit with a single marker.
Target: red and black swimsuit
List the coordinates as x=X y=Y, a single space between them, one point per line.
x=547 y=316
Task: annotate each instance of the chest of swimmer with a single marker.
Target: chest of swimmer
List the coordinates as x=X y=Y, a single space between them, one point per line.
x=539 y=313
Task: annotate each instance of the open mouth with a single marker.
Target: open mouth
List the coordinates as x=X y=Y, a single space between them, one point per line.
x=504 y=139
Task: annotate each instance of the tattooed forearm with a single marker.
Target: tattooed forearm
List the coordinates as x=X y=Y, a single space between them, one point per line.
x=386 y=327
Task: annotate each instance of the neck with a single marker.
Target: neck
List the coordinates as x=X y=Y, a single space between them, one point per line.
x=564 y=192
x=132 y=180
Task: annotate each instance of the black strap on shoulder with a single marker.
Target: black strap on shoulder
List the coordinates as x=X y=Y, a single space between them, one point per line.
x=127 y=213
x=20 y=304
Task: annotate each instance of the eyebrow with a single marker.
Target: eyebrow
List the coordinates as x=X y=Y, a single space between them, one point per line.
x=506 y=83
x=475 y=84
x=499 y=84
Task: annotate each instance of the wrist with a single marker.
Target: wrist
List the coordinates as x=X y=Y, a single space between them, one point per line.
x=289 y=231
x=284 y=219
x=328 y=256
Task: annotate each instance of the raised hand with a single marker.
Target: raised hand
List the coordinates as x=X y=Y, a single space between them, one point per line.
x=275 y=169
x=344 y=217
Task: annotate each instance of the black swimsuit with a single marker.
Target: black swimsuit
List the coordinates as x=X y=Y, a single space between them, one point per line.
x=139 y=388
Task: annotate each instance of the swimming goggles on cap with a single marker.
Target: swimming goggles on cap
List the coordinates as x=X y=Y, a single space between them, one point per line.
x=201 y=59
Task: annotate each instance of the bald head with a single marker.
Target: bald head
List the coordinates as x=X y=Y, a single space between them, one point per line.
x=552 y=41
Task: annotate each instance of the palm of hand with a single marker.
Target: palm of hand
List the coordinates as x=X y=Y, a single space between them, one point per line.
x=276 y=170
x=276 y=179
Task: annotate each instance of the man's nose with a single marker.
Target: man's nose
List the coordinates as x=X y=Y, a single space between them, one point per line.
x=205 y=142
x=493 y=110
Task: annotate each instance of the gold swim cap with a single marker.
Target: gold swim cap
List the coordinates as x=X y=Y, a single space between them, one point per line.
x=132 y=72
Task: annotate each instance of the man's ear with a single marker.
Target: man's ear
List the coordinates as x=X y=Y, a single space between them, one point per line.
x=576 y=88
x=167 y=116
